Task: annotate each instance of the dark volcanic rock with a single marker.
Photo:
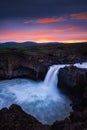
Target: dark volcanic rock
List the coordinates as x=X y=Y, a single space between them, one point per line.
x=19 y=72
x=41 y=71
x=24 y=72
x=73 y=81
x=17 y=64
x=2 y=73
x=15 y=118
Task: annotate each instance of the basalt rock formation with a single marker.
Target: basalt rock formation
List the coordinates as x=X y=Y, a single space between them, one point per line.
x=41 y=71
x=16 y=64
x=73 y=81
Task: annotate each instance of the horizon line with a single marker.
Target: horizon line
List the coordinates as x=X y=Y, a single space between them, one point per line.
x=44 y=42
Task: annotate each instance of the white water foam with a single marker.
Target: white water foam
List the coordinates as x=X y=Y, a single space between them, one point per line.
x=43 y=100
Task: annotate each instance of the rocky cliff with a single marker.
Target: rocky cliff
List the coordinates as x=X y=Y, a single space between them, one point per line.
x=16 y=64
x=73 y=81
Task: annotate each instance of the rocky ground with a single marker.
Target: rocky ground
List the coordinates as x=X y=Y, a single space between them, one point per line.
x=33 y=62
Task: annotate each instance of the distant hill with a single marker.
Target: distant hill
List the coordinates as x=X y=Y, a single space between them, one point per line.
x=17 y=43
x=27 y=43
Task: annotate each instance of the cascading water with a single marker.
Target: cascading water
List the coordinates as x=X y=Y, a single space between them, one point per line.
x=51 y=78
x=43 y=100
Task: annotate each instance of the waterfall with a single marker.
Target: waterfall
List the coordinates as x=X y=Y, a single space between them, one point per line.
x=51 y=78
x=42 y=99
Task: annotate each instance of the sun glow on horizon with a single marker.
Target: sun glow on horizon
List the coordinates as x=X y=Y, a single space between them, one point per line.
x=60 y=41
x=74 y=41
x=70 y=35
x=47 y=41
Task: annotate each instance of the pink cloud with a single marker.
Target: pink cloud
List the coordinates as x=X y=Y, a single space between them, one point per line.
x=45 y=20
x=79 y=16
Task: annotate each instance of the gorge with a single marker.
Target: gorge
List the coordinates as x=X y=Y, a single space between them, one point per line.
x=42 y=99
x=50 y=88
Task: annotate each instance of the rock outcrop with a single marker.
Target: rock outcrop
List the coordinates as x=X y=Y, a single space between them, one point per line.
x=18 y=64
x=73 y=81
x=15 y=118
x=19 y=72
x=24 y=72
x=41 y=71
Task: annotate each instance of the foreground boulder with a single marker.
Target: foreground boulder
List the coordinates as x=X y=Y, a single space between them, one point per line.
x=15 y=118
x=73 y=81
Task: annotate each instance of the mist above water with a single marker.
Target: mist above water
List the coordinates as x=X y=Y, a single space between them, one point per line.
x=43 y=100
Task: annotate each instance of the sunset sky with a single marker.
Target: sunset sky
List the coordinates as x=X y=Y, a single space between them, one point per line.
x=43 y=20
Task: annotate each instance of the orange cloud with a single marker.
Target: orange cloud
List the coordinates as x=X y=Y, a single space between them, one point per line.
x=72 y=28
x=50 y=20
x=79 y=16
x=45 y=20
